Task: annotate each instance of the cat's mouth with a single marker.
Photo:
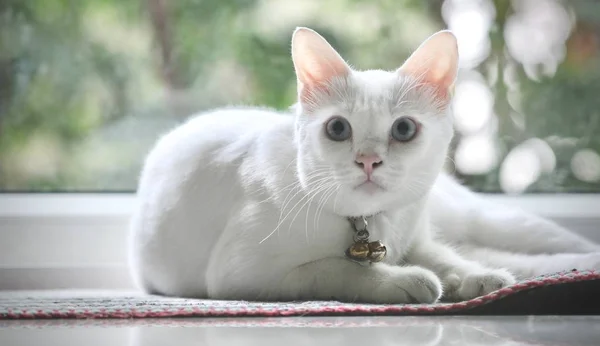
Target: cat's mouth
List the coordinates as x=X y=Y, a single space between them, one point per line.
x=369 y=186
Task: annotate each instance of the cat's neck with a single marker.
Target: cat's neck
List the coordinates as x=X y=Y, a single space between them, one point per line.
x=403 y=212
x=415 y=207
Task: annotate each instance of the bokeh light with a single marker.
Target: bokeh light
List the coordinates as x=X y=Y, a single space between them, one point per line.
x=473 y=103
x=585 y=165
x=470 y=21
x=524 y=164
x=536 y=34
x=476 y=154
x=519 y=169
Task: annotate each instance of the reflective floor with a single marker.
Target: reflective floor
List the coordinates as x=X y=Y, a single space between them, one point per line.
x=364 y=331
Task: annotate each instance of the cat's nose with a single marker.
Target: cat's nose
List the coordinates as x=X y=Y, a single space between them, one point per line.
x=368 y=163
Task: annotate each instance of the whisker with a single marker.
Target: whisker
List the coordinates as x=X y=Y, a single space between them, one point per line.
x=280 y=222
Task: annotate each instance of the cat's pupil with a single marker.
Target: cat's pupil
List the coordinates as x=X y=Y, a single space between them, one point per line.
x=338 y=127
x=403 y=127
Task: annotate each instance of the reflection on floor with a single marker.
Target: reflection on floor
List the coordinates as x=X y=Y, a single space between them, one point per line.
x=346 y=331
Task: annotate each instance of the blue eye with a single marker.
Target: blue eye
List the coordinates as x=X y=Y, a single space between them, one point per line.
x=404 y=129
x=338 y=129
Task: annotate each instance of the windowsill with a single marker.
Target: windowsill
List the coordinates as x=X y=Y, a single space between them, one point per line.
x=122 y=204
x=80 y=240
x=66 y=204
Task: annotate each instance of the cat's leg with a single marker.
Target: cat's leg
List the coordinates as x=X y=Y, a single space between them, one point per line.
x=466 y=218
x=524 y=265
x=342 y=279
x=463 y=279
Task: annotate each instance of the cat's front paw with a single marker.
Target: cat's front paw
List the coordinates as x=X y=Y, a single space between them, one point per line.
x=412 y=285
x=476 y=284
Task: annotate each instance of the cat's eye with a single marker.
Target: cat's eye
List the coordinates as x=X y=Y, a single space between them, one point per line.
x=404 y=129
x=338 y=129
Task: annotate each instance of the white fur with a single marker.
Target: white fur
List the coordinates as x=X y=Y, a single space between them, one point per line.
x=253 y=204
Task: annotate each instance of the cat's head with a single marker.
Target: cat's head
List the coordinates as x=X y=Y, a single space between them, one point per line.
x=369 y=140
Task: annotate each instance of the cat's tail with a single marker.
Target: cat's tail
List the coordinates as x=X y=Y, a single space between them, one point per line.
x=525 y=266
x=468 y=219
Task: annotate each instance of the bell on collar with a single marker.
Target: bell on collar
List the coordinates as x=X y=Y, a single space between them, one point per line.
x=373 y=252
x=362 y=250
x=377 y=251
x=358 y=252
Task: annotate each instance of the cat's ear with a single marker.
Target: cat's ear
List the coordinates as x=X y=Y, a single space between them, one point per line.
x=315 y=61
x=435 y=63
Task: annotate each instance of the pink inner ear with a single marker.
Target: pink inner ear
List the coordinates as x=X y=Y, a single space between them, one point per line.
x=320 y=70
x=316 y=63
x=435 y=62
x=314 y=73
x=439 y=73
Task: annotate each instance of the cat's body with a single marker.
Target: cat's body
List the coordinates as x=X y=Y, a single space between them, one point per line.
x=254 y=204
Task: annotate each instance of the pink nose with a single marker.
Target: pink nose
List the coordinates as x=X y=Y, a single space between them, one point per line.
x=368 y=163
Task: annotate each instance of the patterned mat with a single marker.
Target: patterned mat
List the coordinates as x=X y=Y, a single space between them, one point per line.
x=572 y=292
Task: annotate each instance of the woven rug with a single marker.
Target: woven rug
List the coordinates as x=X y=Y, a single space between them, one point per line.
x=567 y=293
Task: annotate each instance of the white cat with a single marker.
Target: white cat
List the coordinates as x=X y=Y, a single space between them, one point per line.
x=253 y=204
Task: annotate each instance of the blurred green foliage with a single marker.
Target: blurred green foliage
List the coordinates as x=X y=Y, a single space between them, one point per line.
x=87 y=86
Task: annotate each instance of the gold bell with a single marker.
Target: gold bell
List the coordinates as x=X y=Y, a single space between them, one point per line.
x=358 y=251
x=377 y=251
